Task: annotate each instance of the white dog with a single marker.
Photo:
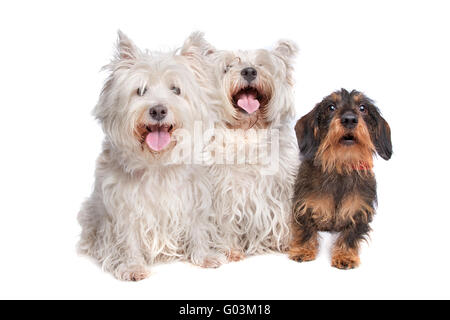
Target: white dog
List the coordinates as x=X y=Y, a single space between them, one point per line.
x=145 y=207
x=251 y=92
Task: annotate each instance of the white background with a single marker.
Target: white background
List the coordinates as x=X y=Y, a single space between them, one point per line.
x=51 y=52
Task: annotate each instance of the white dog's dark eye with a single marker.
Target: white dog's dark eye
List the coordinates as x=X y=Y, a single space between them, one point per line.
x=141 y=92
x=362 y=108
x=176 y=90
x=332 y=107
x=227 y=68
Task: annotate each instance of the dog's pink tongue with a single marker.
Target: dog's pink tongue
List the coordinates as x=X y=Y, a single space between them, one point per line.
x=248 y=102
x=158 y=139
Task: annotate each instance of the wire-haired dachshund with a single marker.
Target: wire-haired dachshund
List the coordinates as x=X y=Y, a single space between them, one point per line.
x=335 y=188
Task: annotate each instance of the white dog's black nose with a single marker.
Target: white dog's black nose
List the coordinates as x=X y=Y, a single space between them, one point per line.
x=158 y=112
x=249 y=74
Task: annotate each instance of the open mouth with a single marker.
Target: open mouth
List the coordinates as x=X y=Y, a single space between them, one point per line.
x=158 y=136
x=348 y=140
x=249 y=100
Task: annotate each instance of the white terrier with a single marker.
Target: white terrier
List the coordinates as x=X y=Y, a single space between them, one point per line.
x=146 y=208
x=251 y=92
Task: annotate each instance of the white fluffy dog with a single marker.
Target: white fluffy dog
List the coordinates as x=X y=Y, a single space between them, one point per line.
x=251 y=92
x=145 y=207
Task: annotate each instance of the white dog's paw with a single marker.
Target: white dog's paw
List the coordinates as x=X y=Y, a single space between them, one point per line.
x=131 y=272
x=211 y=261
x=235 y=255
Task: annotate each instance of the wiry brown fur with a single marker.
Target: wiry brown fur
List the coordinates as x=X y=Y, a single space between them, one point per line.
x=334 y=156
x=345 y=258
x=301 y=250
x=336 y=188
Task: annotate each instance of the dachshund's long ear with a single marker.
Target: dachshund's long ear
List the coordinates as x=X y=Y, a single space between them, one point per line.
x=382 y=138
x=306 y=130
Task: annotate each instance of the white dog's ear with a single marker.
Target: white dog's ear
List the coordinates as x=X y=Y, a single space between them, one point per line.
x=196 y=44
x=126 y=49
x=286 y=50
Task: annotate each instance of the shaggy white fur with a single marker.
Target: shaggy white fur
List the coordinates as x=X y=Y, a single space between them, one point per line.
x=252 y=200
x=145 y=207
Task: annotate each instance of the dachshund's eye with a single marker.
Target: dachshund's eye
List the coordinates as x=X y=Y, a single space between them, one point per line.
x=176 y=90
x=332 y=107
x=362 y=108
x=141 y=92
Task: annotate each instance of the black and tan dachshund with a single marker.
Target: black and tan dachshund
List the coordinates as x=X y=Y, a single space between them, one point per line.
x=336 y=188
